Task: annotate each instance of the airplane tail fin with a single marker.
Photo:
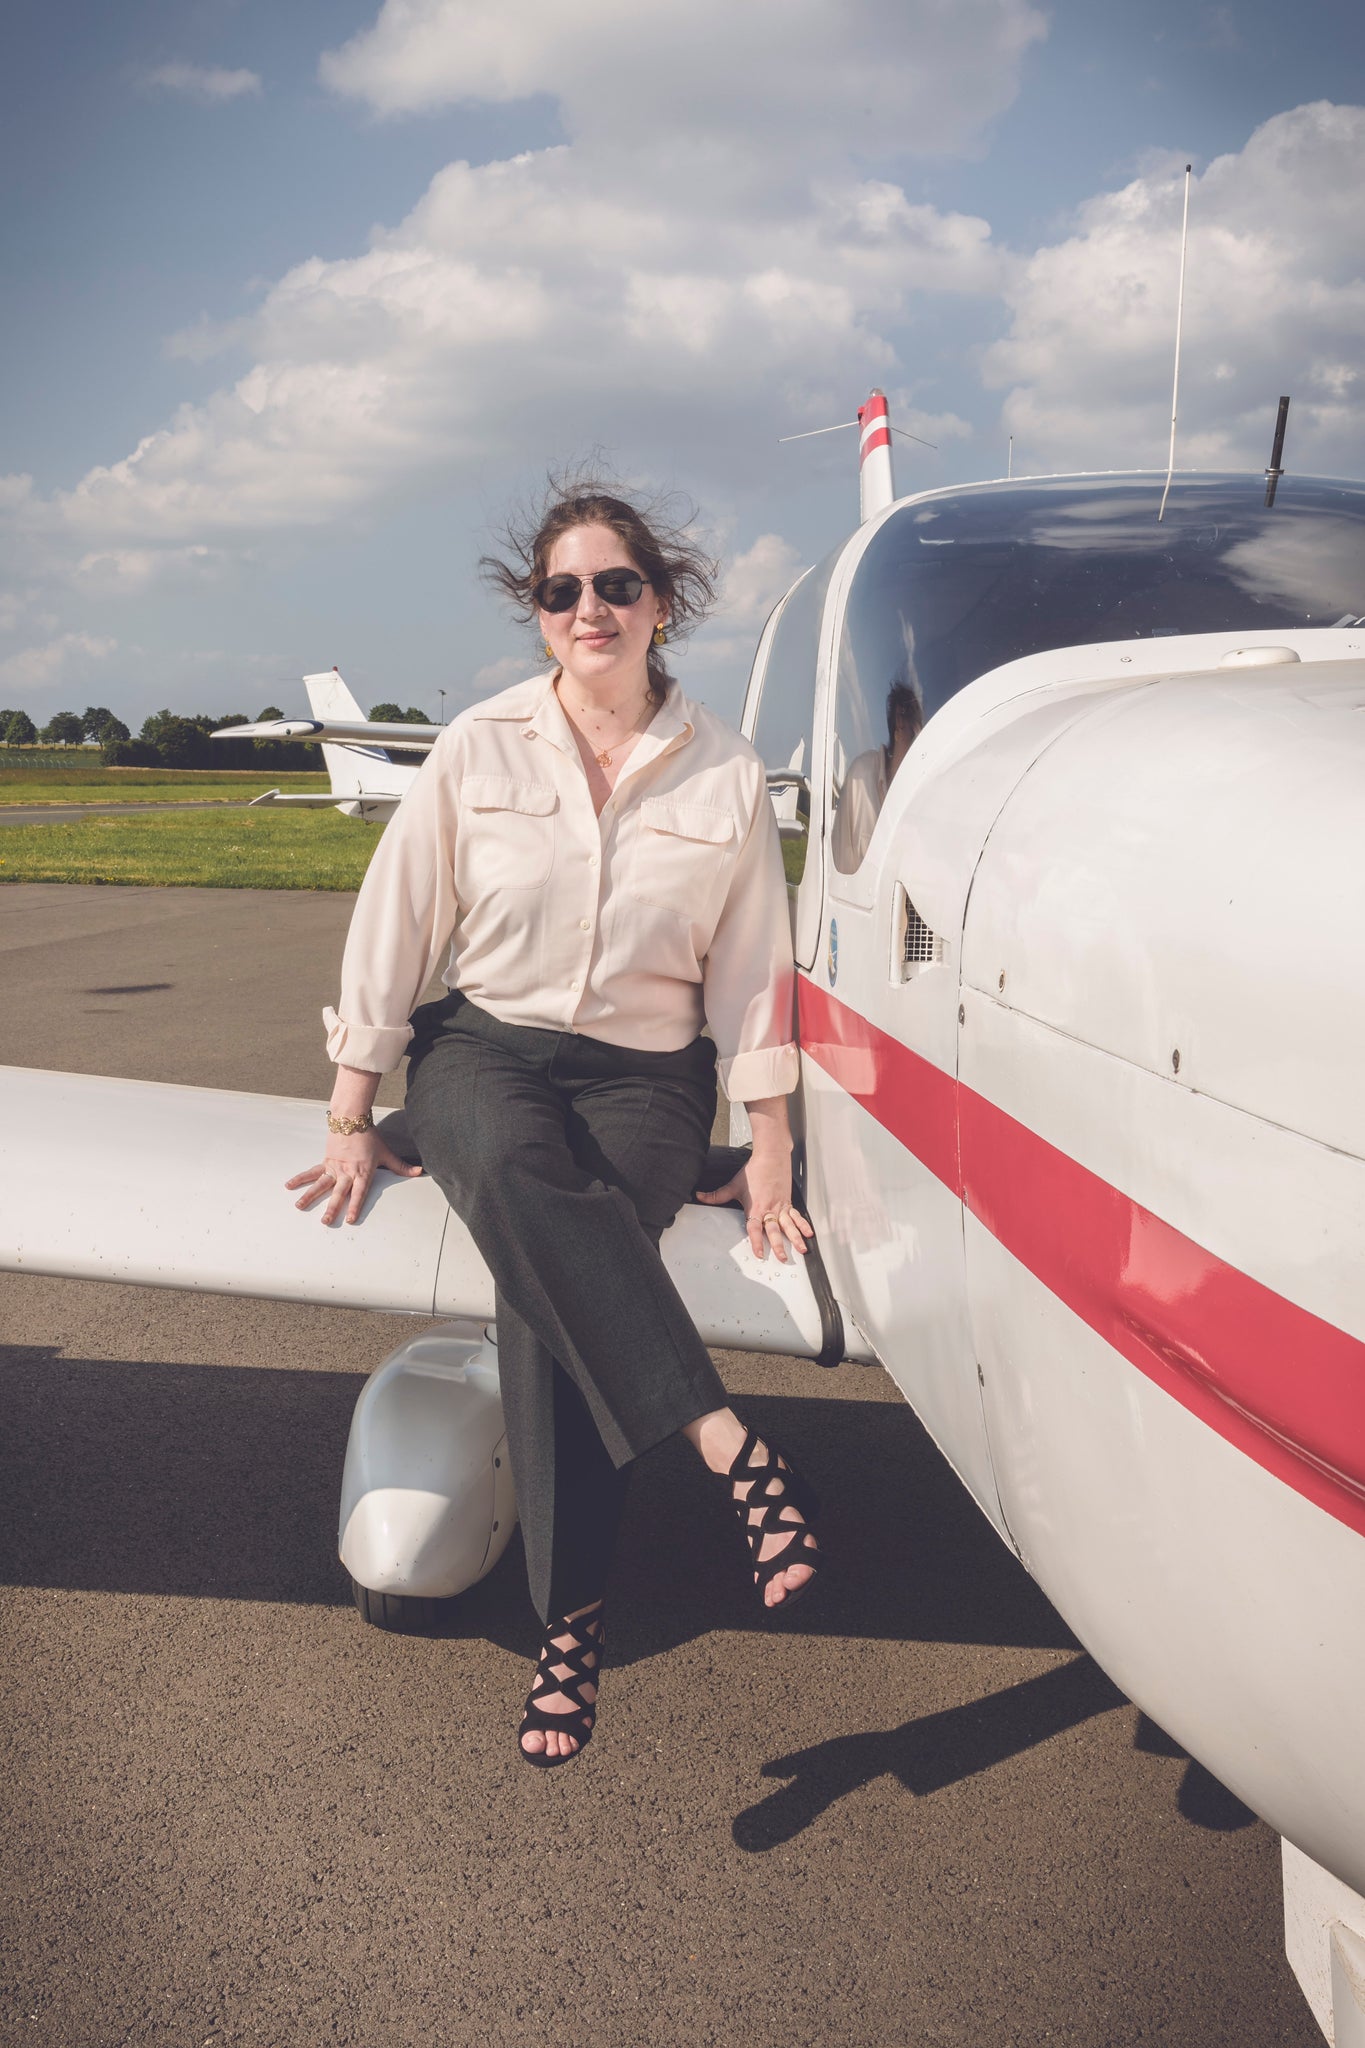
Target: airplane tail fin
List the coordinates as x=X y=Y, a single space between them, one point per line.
x=329 y=696
x=876 y=483
x=355 y=770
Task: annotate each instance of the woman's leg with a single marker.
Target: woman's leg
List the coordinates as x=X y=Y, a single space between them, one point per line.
x=570 y=1494
x=546 y=1162
x=551 y=1176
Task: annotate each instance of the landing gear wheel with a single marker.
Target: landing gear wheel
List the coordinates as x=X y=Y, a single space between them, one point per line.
x=401 y=1613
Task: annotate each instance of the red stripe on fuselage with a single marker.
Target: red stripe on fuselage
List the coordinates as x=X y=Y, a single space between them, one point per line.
x=1285 y=1387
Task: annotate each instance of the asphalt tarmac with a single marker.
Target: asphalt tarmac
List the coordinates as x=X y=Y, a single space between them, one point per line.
x=65 y=814
x=916 y=1814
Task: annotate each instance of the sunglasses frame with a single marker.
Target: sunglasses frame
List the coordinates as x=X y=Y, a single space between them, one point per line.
x=597 y=580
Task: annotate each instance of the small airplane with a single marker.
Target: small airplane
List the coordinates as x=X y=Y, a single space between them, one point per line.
x=1071 y=799
x=371 y=764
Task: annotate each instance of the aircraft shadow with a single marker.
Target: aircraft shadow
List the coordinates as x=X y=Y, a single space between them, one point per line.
x=223 y=1482
x=928 y=1753
x=1202 y=1798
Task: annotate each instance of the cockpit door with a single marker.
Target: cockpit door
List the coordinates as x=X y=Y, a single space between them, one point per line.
x=878 y=1000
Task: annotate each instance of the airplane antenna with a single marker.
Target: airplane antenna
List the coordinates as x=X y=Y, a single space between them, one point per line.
x=811 y=432
x=1274 y=473
x=1179 y=317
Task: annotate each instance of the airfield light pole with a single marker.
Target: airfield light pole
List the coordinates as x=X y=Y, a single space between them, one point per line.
x=442 y=695
x=1179 y=318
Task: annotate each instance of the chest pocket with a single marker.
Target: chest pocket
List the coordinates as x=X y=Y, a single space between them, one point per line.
x=681 y=851
x=506 y=837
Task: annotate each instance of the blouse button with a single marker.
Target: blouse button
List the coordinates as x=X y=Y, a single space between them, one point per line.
x=585 y=924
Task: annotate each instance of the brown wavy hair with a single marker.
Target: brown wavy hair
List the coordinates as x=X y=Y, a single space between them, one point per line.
x=656 y=533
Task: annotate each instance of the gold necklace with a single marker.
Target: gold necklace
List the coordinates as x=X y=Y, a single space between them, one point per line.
x=603 y=759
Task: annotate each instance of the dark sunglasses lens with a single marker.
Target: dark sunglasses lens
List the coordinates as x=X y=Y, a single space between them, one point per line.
x=618 y=586
x=557 y=593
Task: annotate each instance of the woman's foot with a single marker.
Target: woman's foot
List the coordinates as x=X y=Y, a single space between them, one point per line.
x=561 y=1706
x=769 y=1499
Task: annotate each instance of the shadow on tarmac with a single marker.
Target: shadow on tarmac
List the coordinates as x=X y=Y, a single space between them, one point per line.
x=221 y=1482
x=928 y=1753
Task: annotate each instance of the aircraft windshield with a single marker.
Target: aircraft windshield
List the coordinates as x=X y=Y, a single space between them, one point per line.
x=957 y=585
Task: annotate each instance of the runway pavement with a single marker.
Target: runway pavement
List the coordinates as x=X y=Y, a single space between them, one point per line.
x=915 y=1815
x=66 y=814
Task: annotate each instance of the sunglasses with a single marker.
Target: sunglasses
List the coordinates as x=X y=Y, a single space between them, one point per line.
x=613 y=586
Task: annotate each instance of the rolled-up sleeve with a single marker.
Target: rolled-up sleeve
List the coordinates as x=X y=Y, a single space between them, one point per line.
x=748 y=972
x=401 y=924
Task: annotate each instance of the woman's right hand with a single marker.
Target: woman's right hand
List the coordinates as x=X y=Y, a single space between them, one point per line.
x=345 y=1173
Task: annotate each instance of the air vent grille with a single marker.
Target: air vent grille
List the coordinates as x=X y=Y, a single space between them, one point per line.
x=921 y=947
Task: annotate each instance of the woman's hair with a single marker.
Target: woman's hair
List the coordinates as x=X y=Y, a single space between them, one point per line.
x=656 y=535
x=903 y=708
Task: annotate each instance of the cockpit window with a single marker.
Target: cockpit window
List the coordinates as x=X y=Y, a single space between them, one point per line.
x=785 y=726
x=955 y=585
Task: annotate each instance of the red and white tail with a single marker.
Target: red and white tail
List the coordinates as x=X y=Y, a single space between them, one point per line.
x=876 y=484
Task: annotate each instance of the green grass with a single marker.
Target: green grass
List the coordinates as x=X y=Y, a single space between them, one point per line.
x=243 y=849
x=27 y=760
x=794 y=860
x=74 y=784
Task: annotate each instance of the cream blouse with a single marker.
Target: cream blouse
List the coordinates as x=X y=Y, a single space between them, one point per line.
x=669 y=909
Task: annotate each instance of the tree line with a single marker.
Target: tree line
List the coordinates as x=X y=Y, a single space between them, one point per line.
x=171 y=739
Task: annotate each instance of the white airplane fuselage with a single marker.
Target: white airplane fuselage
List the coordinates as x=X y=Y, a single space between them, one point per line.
x=1091 y=1182
x=1084 y=1120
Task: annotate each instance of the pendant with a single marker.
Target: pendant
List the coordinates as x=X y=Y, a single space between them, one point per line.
x=603 y=759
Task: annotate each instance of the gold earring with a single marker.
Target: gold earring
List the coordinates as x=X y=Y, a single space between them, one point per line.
x=549 y=651
x=659 y=635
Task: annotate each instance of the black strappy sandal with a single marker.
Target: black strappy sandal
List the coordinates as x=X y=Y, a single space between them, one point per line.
x=587 y=1636
x=773 y=1486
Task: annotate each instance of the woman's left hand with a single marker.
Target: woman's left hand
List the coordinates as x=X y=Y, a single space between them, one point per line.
x=764 y=1187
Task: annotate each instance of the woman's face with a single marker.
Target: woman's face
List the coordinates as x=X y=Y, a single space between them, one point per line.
x=597 y=642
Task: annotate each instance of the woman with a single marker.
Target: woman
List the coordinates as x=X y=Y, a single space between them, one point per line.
x=601 y=859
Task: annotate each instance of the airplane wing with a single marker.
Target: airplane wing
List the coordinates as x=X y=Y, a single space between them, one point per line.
x=184 y=1187
x=361 y=732
x=323 y=800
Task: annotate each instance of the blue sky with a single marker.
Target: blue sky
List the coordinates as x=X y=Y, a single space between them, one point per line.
x=273 y=365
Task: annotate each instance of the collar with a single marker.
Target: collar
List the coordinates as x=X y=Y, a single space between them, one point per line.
x=536 y=704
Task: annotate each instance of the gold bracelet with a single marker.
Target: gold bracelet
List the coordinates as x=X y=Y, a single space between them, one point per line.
x=347 y=1126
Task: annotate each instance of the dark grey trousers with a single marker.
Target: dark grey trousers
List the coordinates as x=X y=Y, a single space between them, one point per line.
x=567 y=1158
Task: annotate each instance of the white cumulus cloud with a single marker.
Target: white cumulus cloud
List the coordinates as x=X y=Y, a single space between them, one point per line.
x=701 y=292
x=800 y=75
x=1274 y=302
x=203 y=81
x=53 y=664
x=755 y=580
